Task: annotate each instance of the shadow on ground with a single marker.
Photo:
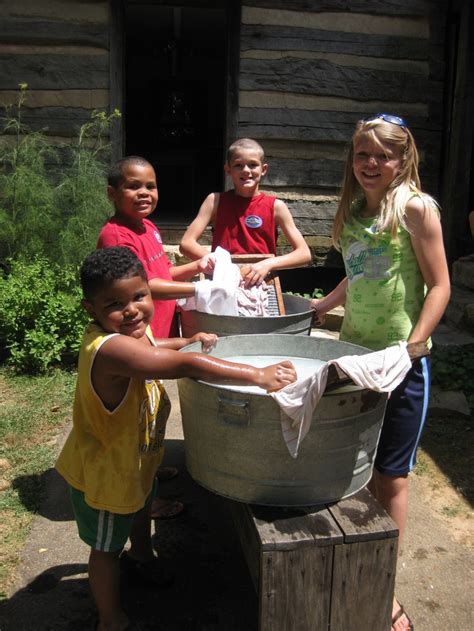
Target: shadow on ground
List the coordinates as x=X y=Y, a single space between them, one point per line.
x=212 y=590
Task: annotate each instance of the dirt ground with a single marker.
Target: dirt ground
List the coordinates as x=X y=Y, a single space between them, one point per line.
x=212 y=589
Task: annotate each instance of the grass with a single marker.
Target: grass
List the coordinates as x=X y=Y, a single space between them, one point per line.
x=33 y=410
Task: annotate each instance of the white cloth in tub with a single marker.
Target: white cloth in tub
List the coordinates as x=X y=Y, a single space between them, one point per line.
x=381 y=371
x=216 y=296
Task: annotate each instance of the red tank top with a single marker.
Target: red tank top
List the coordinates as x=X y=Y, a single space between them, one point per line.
x=245 y=225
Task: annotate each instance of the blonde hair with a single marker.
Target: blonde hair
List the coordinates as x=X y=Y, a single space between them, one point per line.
x=245 y=143
x=402 y=188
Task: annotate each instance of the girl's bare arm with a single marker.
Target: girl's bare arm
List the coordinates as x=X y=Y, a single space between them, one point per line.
x=427 y=240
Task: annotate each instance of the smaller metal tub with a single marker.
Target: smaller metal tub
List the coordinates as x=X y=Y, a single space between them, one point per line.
x=297 y=321
x=233 y=439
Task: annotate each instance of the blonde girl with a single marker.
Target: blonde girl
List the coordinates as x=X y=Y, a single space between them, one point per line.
x=396 y=288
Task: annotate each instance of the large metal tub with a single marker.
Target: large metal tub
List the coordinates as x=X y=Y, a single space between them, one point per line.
x=234 y=444
x=297 y=321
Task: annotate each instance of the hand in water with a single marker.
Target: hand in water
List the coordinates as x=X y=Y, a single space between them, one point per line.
x=208 y=341
x=278 y=376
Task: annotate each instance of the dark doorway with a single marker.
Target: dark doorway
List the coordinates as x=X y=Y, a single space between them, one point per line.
x=175 y=70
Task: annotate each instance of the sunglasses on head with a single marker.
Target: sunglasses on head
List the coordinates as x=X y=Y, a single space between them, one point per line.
x=388 y=118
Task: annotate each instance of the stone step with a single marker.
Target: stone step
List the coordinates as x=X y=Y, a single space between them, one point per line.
x=460 y=310
x=446 y=337
x=463 y=272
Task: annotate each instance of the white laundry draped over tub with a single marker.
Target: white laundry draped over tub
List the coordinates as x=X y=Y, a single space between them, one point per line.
x=381 y=371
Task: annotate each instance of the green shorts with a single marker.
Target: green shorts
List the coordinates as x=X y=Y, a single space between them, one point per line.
x=101 y=530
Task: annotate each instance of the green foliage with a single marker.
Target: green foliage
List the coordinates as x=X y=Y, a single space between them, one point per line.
x=81 y=193
x=41 y=320
x=453 y=369
x=28 y=216
x=316 y=293
x=45 y=210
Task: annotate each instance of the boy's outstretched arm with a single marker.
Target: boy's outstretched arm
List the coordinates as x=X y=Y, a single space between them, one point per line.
x=189 y=243
x=299 y=257
x=122 y=356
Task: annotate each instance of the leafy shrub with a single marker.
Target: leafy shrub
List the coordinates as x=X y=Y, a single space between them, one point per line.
x=41 y=319
x=47 y=211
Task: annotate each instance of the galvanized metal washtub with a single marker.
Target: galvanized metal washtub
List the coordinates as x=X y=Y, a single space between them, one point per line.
x=297 y=321
x=234 y=444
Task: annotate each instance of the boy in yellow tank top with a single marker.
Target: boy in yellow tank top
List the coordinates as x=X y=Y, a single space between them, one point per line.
x=120 y=411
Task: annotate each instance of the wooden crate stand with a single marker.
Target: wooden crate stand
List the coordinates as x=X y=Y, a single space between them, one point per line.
x=328 y=568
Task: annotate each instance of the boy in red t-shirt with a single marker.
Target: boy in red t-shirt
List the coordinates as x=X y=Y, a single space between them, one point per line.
x=244 y=220
x=133 y=191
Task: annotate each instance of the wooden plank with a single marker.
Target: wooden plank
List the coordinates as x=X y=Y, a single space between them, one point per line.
x=363 y=585
x=27 y=31
x=295 y=589
x=290 y=528
x=47 y=72
x=249 y=540
x=361 y=518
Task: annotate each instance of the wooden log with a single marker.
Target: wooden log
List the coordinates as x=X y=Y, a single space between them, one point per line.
x=319 y=76
x=57 y=121
x=27 y=31
x=384 y=7
x=270 y=37
x=47 y=72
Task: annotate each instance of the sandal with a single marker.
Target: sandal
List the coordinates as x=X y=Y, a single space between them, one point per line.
x=167 y=510
x=401 y=612
x=166 y=473
x=150 y=573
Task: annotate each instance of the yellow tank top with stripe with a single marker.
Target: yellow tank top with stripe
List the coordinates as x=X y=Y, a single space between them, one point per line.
x=112 y=456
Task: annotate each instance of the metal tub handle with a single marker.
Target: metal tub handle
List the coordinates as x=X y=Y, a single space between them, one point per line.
x=232 y=412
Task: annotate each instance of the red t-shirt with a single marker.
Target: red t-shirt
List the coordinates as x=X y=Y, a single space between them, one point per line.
x=245 y=225
x=148 y=246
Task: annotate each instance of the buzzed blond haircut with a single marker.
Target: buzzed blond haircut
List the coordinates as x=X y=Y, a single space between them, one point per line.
x=245 y=143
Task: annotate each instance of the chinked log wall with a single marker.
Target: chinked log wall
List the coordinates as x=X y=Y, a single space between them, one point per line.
x=309 y=73
x=305 y=76
x=61 y=50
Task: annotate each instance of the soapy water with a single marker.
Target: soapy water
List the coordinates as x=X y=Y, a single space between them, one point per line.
x=305 y=367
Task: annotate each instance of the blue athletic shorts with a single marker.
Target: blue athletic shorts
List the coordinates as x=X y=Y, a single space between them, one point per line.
x=404 y=421
x=101 y=530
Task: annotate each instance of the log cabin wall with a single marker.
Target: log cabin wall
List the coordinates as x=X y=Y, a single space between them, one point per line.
x=309 y=73
x=60 y=48
x=299 y=80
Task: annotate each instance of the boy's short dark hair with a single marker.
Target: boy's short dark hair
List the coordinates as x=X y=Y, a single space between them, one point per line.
x=115 y=174
x=245 y=143
x=105 y=265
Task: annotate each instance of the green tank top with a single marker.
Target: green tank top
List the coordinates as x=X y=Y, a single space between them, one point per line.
x=385 y=291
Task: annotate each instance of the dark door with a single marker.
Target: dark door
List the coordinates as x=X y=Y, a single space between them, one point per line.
x=175 y=99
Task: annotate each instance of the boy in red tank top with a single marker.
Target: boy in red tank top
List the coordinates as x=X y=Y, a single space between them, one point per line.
x=245 y=220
